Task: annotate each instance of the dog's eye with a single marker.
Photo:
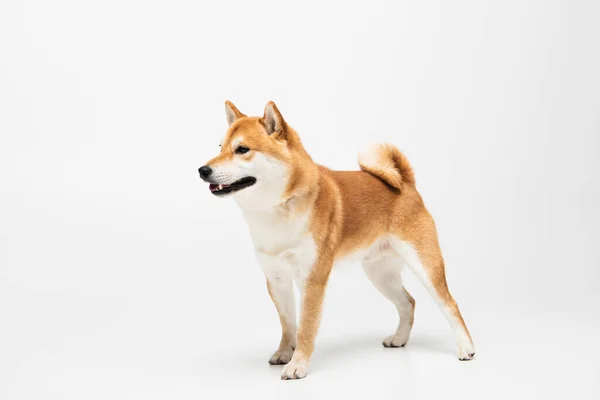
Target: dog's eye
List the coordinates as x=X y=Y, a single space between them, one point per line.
x=241 y=150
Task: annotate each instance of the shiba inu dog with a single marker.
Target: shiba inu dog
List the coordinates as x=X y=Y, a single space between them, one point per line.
x=304 y=218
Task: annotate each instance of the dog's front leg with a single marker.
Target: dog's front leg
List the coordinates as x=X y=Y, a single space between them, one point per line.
x=282 y=294
x=313 y=294
x=279 y=284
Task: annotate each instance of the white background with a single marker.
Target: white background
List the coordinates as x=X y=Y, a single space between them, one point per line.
x=121 y=276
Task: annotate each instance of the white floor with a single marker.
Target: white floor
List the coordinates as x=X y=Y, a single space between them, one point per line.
x=190 y=345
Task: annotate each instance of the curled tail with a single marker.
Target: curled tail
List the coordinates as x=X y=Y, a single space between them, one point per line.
x=387 y=163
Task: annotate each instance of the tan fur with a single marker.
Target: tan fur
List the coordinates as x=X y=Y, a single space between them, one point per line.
x=349 y=210
x=391 y=166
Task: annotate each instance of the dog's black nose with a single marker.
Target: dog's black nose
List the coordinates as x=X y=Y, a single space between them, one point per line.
x=204 y=171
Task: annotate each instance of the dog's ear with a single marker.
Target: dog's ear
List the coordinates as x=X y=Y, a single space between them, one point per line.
x=232 y=113
x=273 y=121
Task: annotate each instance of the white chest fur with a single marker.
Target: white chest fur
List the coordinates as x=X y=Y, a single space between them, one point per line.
x=284 y=246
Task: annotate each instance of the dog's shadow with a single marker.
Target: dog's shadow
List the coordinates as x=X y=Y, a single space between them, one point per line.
x=331 y=352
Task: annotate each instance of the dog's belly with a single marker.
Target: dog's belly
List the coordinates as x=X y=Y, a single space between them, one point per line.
x=372 y=252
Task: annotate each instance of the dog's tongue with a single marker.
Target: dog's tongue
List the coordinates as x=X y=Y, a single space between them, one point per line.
x=213 y=187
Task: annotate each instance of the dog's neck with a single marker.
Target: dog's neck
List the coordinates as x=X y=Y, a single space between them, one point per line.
x=297 y=196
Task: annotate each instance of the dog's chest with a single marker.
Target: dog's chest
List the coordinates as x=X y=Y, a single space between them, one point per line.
x=283 y=246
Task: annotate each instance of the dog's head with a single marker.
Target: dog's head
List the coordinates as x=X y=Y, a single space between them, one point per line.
x=254 y=161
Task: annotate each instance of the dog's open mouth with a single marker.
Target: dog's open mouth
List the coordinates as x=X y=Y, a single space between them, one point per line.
x=220 y=189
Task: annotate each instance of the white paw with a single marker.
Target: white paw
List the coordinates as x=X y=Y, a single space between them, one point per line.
x=395 y=340
x=282 y=356
x=466 y=350
x=294 y=370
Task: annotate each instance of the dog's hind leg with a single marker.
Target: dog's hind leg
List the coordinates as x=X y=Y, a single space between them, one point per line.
x=385 y=274
x=425 y=261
